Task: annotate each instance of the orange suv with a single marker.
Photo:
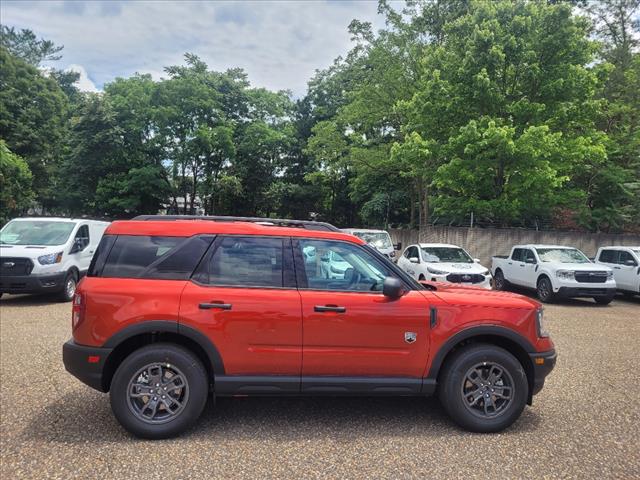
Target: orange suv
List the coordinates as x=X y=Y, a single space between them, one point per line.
x=173 y=309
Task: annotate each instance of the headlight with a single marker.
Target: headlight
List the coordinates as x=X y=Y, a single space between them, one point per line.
x=609 y=275
x=436 y=272
x=542 y=331
x=50 y=259
x=485 y=273
x=566 y=274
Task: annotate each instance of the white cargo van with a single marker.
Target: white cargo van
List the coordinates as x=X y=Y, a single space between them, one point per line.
x=47 y=254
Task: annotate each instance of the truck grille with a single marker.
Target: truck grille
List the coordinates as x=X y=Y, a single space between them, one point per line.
x=15 y=266
x=465 y=278
x=591 y=277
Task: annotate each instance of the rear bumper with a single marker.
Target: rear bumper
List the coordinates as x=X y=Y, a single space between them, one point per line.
x=53 y=282
x=574 y=292
x=543 y=364
x=86 y=363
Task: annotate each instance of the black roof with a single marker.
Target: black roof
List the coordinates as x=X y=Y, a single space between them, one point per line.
x=279 y=222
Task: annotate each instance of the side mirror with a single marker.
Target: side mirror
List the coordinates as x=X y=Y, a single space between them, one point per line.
x=398 y=246
x=477 y=260
x=414 y=260
x=630 y=263
x=530 y=260
x=392 y=288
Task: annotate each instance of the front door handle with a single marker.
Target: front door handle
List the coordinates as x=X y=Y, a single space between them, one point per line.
x=209 y=306
x=329 y=308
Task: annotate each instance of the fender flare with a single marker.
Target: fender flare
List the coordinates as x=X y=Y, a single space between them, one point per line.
x=167 y=326
x=478 y=331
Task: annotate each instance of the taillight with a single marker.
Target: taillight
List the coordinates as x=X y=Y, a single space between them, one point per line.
x=77 y=310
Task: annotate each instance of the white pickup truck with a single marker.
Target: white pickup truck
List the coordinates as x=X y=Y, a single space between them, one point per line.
x=625 y=263
x=554 y=272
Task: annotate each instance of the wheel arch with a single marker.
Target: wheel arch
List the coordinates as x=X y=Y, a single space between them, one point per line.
x=502 y=337
x=129 y=339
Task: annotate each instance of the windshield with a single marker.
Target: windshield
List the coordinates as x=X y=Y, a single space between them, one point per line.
x=36 y=232
x=377 y=239
x=562 y=255
x=445 y=254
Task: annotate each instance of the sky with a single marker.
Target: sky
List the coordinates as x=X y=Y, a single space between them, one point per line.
x=279 y=44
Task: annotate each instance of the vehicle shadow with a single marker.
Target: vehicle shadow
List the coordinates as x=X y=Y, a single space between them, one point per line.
x=77 y=418
x=27 y=300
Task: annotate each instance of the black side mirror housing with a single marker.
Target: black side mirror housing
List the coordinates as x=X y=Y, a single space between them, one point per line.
x=630 y=263
x=398 y=246
x=392 y=288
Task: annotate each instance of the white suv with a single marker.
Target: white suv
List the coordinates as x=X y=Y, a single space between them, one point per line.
x=439 y=262
x=47 y=254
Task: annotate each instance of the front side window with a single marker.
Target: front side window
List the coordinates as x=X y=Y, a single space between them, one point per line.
x=445 y=255
x=36 y=232
x=82 y=237
x=529 y=256
x=247 y=262
x=562 y=255
x=341 y=266
x=626 y=258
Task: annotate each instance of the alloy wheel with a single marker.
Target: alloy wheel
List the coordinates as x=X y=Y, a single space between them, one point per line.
x=487 y=390
x=157 y=393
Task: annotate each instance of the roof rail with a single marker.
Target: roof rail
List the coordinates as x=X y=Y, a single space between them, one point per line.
x=278 y=222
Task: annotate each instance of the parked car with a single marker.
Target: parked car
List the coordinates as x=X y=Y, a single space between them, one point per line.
x=625 y=263
x=173 y=310
x=47 y=254
x=440 y=262
x=555 y=272
x=378 y=239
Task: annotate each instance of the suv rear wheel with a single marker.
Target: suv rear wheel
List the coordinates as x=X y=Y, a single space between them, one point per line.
x=159 y=391
x=483 y=388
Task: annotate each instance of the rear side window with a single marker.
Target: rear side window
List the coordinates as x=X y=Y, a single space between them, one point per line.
x=171 y=258
x=517 y=255
x=608 y=256
x=247 y=262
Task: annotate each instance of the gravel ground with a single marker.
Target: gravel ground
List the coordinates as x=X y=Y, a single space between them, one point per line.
x=584 y=424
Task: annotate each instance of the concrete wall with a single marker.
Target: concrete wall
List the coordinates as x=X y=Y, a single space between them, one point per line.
x=483 y=243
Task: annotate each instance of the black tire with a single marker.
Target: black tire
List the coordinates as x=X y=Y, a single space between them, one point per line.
x=453 y=382
x=603 y=300
x=193 y=394
x=499 y=282
x=421 y=277
x=68 y=287
x=545 y=290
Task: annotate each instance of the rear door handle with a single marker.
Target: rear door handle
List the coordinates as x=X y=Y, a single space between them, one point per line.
x=209 y=306
x=329 y=308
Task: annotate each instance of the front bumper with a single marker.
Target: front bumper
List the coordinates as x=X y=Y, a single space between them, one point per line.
x=53 y=282
x=574 y=292
x=543 y=364
x=86 y=363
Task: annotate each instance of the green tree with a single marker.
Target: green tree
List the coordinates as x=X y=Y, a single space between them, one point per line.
x=16 y=194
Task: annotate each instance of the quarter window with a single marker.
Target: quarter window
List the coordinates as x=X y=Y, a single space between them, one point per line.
x=341 y=266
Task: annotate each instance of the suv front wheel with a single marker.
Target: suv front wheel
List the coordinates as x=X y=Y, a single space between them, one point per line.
x=159 y=391
x=483 y=388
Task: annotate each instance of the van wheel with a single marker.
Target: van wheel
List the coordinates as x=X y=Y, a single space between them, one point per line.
x=483 y=388
x=545 y=290
x=159 y=391
x=499 y=281
x=68 y=287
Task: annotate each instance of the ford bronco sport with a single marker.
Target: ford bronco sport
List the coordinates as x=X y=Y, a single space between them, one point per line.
x=173 y=310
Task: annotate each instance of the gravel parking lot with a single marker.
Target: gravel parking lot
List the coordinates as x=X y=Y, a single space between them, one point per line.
x=584 y=424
